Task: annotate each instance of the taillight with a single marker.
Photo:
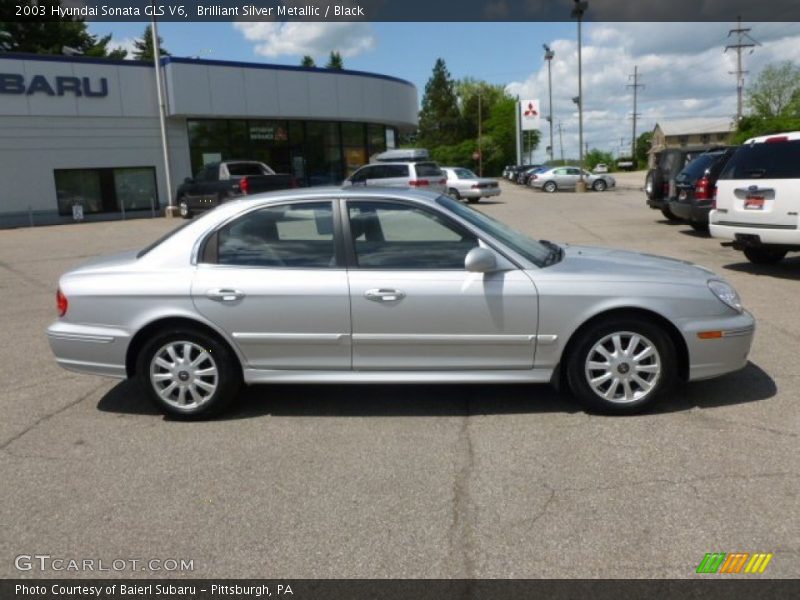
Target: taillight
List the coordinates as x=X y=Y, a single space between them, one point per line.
x=244 y=185
x=665 y=188
x=419 y=183
x=777 y=139
x=702 y=190
x=714 y=199
x=61 y=303
x=443 y=181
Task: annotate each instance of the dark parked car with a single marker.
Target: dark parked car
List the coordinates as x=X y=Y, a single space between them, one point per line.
x=659 y=184
x=524 y=177
x=695 y=186
x=514 y=171
x=222 y=181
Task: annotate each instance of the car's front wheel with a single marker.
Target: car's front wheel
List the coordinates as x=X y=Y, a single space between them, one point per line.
x=599 y=186
x=621 y=366
x=453 y=193
x=188 y=373
x=764 y=256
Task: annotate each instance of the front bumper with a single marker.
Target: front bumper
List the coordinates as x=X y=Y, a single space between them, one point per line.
x=717 y=356
x=91 y=349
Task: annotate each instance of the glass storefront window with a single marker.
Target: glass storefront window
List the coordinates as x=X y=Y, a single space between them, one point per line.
x=136 y=188
x=353 y=134
x=376 y=137
x=78 y=186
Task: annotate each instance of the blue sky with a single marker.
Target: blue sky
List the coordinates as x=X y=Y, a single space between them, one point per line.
x=683 y=66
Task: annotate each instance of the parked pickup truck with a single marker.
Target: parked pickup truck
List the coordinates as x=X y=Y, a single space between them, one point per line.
x=222 y=181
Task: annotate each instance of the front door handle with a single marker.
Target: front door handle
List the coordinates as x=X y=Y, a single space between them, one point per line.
x=384 y=295
x=224 y=295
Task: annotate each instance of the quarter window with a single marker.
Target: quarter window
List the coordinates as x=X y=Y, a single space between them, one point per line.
x=289 y=236
x=397 y=236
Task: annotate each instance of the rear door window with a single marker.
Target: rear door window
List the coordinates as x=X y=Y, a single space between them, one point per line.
x=780 y=160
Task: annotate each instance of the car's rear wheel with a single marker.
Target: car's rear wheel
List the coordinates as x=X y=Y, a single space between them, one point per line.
x=599 y=186
x=622 y=365
x=188 y=373
x=668 y=214
x=653 y=184
x=550 y=187
x=764 y=256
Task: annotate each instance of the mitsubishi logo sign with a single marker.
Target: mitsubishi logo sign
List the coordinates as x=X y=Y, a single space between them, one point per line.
x=530 y=114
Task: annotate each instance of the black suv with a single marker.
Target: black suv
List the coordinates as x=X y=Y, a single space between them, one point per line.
x=659 y=185
x=695 y=186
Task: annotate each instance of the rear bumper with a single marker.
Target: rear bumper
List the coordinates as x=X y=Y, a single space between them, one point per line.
x=484 y=193
x=690 y=211
x=714 y=357
x=744 y=234
x=91 y=349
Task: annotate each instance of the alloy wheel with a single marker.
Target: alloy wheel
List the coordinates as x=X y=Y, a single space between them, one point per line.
x=623 y=367
x=184 y=374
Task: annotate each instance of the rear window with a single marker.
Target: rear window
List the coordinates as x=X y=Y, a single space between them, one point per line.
x=428 y=170
x=780 y=160
x=244 y=169
x=697 y=168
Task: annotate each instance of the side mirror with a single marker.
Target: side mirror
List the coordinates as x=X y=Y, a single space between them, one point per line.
x=188 y=180
x=480 y=260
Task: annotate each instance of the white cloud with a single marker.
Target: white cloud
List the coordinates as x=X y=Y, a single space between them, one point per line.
x=683 y=66
x=124 y=43
x=273 y=39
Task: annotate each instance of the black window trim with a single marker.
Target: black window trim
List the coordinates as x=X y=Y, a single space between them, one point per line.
x=349 y=243
x=208 y=249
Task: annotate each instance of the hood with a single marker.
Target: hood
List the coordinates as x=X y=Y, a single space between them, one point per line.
x=623 y=264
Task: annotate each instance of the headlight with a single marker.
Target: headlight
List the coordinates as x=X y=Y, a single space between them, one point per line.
x=726 y=294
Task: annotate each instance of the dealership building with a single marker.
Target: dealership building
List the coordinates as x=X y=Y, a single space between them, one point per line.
x=85 y=133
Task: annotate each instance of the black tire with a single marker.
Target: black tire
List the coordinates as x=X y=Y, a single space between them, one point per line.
x=453 y=193
x=764 y=256
x=582 y=350
x=699 y=227
x=184 y=209
x=653 y=184
x=668 y=214
x=227 y=382
x=550 y=187
x=599 y=186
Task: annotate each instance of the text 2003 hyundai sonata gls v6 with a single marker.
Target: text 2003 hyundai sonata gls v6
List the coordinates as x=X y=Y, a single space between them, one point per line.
x=390 y=286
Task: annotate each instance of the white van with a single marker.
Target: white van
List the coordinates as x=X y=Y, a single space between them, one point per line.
x=757 y=201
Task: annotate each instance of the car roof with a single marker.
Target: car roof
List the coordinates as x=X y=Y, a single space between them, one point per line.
x=790 y=136
x=338 y=192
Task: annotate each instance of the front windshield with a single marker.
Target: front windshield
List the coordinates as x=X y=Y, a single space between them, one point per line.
x=534 y=251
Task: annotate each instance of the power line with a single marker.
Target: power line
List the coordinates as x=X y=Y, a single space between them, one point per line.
x=635 y=85
x=744 y=40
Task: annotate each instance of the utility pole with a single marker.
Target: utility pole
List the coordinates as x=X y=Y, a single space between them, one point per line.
x=635 y=85
x=561 y=142
x=480 y=130
x=743 y=40
x=577 y=13
x=548 y=56
x=172 y=210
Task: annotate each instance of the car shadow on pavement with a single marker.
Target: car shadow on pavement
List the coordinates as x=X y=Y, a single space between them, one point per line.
x=670 y=223
x=788 y=268
x=695 y=234
x=342 y=400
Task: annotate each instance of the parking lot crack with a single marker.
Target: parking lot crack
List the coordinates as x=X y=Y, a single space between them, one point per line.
x=462 y=527
x=44 y=418
x=25 y=277
x=543 y=511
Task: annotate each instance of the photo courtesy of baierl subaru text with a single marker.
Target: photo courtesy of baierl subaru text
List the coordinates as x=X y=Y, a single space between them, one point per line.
x=380 y=300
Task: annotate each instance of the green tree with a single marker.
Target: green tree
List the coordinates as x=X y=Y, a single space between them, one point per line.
x=643 y=143
x=595 y=157
x=335 y=62
x=440 y=120
x=52 y=37
x=143 y=47
x=776 y=92
x=308 y=62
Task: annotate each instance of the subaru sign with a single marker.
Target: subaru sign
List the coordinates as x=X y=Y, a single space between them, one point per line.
x=16 y=84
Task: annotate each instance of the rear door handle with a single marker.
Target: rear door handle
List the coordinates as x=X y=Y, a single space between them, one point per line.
x=384 y=295
x=224 y=295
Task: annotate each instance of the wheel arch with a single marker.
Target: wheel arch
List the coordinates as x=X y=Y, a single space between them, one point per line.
x=163 y=323
x=681 y=348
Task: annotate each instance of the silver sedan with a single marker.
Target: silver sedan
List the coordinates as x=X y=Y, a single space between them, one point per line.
x=463 y=183
x=390 y=286
x=566 y=178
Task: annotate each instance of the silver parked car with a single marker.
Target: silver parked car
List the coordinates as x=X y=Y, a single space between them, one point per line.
x=566 y=178
x=368 y=285
x=406 y=168
x=463 y=183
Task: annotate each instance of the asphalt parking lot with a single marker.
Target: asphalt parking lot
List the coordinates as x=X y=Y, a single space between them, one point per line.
x=418 y=481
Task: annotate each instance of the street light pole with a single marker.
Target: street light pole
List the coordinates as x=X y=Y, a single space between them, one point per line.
x=548 y=56
x=172 y=210
x=480 y=135
x=577 y=12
